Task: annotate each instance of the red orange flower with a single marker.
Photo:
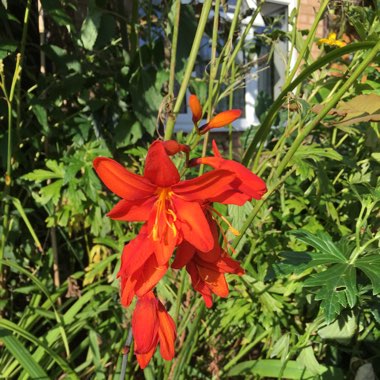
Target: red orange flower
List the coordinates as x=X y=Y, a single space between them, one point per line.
x=207 y=270
x=169 y=207
x=220 y=120
x=246 y=185
x=151 y=324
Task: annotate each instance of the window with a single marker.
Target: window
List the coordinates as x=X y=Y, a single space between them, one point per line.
x=263 y=81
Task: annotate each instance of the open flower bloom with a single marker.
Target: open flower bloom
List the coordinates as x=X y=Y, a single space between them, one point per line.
x=151 y=324
x=331 y=41
x=246 y=185
x=170 y=207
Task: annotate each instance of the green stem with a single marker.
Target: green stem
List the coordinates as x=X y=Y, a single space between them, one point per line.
x=305 y=51
x=334 y=100
x=189 y=68
x=265 y=127
x=173 y=56
x=245 y=350
x=22 y=54
x=213 y=67
x=305 y=132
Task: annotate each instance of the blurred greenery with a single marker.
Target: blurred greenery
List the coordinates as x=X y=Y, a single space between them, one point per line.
x=93 y=81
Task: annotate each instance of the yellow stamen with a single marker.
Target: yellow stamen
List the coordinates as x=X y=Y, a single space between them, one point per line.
x=230 y=227
x=163 y=211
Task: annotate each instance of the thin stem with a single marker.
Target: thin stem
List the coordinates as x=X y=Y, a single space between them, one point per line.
x=213 y=68
x=173 y=56
x=334 y=100
x=189 y=68
x=308 y=42
x=22 y=54
x=265 y=127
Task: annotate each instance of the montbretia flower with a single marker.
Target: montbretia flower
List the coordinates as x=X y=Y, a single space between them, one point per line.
x=196 y=108
x=245 y=186
x=170 y=208
x=139 y=271
x=151 y=324
x=207 y=270
x=220 y=120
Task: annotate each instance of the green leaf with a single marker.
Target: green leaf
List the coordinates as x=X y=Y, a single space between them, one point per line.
x=56 y=171
x=271 y=368
x=337 y=289
x=322 y=242
x=22 y=355
x=370 y=266
x=7 y=47
x=307 y=359
x=342 y=330
x=51 y=192
x=10 y=326
x=90 y=27
x=41 y=115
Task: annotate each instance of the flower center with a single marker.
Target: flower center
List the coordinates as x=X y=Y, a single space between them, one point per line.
x=165 y=216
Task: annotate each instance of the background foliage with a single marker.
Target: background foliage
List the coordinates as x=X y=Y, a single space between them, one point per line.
x=308 y=306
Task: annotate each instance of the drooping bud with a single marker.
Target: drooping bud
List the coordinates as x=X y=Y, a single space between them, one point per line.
x=220 y=120
x=196 y=108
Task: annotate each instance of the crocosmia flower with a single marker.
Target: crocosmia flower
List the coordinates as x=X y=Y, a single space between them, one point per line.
x=220 y=120
x=246 y=185
x=178 y=218
x=196 y=108
x=169 y=207
x=151 y=324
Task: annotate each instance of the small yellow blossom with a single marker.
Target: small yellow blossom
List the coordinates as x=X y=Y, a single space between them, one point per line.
x=331 y=40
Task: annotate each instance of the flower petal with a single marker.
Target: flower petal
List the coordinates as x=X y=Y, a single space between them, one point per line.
x=132 y=211
x=184 y=254
x=166 y=333
x=127 y=289
x=220 y=120
x=144 y=359
x=121 y=181
x=136 y=253
x=207 y=187
x=149 y=275
x=159 y=168
x=145 y=324
x=193 y=224
x=196 y=108
x=198 y=284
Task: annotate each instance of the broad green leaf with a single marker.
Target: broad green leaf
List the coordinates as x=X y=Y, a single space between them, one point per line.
x=22 y=355
x=41 y=115
x=90 y=27
x=342 y=330
x=322 y=242
x=336 y=288
x=51 y=192
x=307 y=359
x=370 y=266
x=271 y=368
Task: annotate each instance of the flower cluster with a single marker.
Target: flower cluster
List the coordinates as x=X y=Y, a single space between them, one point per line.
x=178 y=219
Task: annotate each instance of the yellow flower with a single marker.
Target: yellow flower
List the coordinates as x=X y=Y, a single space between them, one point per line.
x=331 y=40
